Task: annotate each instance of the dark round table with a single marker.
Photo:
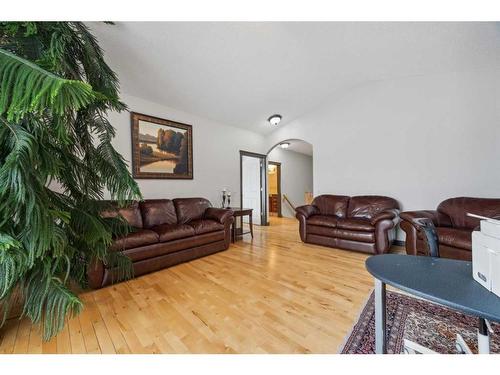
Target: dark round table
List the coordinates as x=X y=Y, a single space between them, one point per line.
x=445 y=281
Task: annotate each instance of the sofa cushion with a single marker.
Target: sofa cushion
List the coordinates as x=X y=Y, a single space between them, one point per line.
x=323 y=220
x=353 y=235
x=461 y=238
x=334 y=205
x=170 y=232
x=190 y=209
x=157 y=211
x=445 y=251
x=132 y=214
x=205 y=226
x=142 y=237
x=457 y=208
x=346 y=234
x=162 y=248
x=355 y=223
x=367 y=206
x=221 y=215
x=321 y=230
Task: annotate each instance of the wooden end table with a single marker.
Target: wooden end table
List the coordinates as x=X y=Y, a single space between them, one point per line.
x=239 y=213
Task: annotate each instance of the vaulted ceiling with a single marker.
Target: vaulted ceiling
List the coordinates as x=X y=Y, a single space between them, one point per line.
x=240 y=73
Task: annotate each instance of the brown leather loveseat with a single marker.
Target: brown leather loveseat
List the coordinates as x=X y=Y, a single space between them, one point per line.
x=363 y=223
x=167 y=232
x=454 y=228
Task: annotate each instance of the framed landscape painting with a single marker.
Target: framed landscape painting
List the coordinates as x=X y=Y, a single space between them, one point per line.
x=161 y=148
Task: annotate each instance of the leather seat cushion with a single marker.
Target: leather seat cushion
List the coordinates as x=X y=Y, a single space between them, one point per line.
x=368 y=206
x=456 y=237
x=170 y=232
x=457 y=208
x=162 y=248
x=190 y=209
x=132 y=214
x=321 y=230
x=205 y=226
x=357 y=224
x=142 y=237
x=355 y=235
x=334 y=205
x=345 y=234
x=323 y=221
x=158 y=211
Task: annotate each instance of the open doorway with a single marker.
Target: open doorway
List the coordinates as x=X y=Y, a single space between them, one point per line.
x=253 y=178
x=274 y=188
x=289 y=178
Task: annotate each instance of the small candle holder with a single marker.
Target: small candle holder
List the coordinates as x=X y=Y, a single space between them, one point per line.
x=229 y=200
x=223 y=198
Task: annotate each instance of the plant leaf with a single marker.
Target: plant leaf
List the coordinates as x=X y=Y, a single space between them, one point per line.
x=27 y=88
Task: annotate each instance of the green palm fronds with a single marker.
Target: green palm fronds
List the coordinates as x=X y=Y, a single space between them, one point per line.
x=55 y=92
x=13 y=263
x=27 y=88
x=48 y=300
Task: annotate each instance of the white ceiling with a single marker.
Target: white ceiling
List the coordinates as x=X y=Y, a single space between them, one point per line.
x=300 y=146
x=240 y=73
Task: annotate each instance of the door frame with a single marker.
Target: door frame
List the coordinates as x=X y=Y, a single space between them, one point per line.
x=263 y=183
x=278 y=178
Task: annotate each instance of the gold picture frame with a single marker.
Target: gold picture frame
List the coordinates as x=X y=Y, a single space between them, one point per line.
x=161 y=149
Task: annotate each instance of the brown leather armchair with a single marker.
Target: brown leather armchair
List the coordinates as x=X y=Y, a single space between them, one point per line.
x=454 y=228
x=363 y=223
x=166 y=232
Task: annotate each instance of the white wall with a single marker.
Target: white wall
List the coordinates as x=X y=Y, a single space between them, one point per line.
x=216 y=159
x=420 y=139
x=296 y=177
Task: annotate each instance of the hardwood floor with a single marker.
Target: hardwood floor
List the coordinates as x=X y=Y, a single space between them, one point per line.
x=272 y=294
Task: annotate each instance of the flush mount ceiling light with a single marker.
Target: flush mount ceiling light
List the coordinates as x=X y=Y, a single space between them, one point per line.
x=274 y=119
x=285 y=144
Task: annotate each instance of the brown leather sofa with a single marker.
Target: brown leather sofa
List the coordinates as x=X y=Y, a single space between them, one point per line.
x=454 y=228
x=166 y=232
x=363 y=223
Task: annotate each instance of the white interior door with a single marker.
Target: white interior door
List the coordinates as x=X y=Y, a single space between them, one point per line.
x=251 y=186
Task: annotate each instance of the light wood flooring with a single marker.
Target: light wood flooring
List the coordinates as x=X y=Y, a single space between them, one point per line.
x=272 y=294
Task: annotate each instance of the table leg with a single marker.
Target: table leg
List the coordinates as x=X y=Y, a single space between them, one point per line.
x=483 y=338
x=380 y=328
x=250 y=221
x=233 y=231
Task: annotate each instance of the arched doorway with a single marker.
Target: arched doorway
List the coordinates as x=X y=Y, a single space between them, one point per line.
x=289 y=178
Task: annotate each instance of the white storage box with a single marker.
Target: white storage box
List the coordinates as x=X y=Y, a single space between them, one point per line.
x=491 y=228
x=486 y=260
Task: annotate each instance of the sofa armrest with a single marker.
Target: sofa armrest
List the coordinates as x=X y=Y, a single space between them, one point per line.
x=385 y=223
x=411 y=224
x=220 y=215
x=438 y=219
x=307 y=210
x=392 y=214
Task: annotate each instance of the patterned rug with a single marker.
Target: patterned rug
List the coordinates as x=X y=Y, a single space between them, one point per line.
x=423 y=322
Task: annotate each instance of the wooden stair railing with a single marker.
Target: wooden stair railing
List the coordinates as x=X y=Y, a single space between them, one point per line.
x=308 y=197
x=285 y=198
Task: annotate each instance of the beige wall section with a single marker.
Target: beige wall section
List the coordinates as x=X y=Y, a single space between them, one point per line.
x=296 y=177
x=216 y=159
x=272 y=179
x=418 y=139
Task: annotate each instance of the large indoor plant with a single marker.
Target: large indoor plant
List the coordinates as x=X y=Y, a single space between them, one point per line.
x=56 y=164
